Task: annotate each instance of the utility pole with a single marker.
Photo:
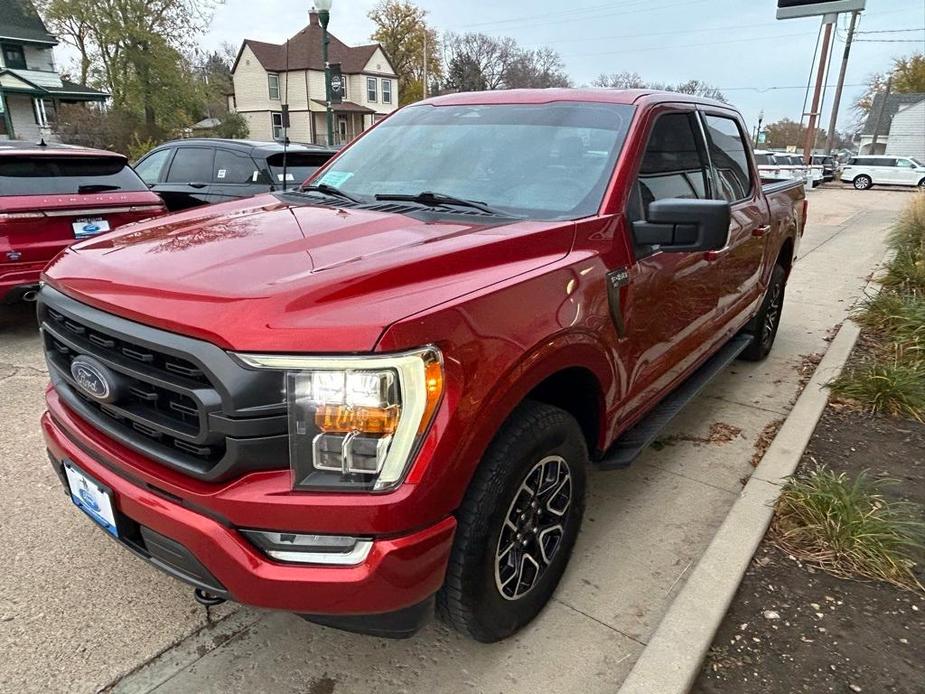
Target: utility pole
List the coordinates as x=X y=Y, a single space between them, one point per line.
x=424 y=85
x=833 y=122
x=828 y=22
x=886 y=97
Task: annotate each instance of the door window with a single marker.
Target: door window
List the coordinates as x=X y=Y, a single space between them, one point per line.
x=674 y=164
x=730 y=159
x=234 y=167
x=191 y=165
x=905 y=164
x=151 y=168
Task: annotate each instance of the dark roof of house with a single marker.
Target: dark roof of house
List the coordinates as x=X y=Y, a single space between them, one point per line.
x=890 y=108
x=305 y=52
x=68 y=88
x=19 y=20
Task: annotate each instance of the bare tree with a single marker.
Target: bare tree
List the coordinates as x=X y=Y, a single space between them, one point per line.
x=478 y=61
x=633 y=80
x=620 y=80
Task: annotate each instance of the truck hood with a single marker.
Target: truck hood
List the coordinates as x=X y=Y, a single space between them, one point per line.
x=265 y=275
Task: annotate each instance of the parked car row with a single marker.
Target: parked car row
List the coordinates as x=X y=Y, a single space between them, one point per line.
x=781 y=166
x=52 y=195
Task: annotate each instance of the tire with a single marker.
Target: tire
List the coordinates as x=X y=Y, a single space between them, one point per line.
x=765 y=324
x=922 y=183
x=488 y=594
x=863 y=183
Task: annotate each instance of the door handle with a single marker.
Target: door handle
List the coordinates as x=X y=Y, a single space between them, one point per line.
x=198 y=185
x=758 y=232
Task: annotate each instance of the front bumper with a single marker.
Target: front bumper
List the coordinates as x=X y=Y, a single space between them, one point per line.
x=401 y=572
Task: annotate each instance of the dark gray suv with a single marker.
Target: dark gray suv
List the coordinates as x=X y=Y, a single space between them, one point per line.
x=201 y=171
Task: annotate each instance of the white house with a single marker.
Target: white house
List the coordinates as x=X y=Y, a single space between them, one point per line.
x=267 y=75
x=888 y=112
x=30 y=87
x=907 y=134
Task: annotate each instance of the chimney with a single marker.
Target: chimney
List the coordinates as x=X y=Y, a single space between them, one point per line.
x=313 y=18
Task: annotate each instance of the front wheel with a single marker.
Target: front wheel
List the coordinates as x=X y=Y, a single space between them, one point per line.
x=764 y=326
x=517 y=524
x=922 y=183
x=863 y=182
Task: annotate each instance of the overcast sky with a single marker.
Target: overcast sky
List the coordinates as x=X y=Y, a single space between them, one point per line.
x=736 y=45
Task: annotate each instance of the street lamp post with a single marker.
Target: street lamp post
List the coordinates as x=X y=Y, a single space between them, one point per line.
x=324 y=16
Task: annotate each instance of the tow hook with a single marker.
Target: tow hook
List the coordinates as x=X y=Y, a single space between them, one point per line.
x=206 y=598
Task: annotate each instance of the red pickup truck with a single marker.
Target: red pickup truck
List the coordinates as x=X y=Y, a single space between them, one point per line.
x=52 y=195
x=381 y=391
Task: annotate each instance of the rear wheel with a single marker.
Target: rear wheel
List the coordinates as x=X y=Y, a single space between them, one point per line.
x=863 y=182
x=764 y=326
x=922 y=183
x=517 y=524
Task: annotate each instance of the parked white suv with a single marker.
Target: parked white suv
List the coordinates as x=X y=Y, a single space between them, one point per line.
x=864 y=172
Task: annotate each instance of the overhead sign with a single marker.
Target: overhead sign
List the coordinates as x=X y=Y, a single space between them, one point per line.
x=791 y=9
x=337 y=84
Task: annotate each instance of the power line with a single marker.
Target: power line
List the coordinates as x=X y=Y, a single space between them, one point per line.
x=888 y=41
x=889 y=31
x=574 y=15
x=689 y=45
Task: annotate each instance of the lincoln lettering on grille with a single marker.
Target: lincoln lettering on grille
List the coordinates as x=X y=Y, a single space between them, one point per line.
x=186 y=403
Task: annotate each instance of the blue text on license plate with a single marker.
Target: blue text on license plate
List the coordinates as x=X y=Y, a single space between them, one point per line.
x=91 y=498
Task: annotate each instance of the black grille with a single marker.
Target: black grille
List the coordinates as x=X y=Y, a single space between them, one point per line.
x=182 y=402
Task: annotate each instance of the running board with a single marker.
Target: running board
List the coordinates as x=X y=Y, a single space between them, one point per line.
x=629 y=446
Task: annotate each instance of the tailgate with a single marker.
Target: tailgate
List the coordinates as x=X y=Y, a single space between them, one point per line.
x=36 y=228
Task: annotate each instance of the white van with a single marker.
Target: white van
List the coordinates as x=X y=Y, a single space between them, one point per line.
x=864 y=172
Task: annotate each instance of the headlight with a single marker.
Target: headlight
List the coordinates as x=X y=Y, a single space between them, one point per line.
x=356 y=422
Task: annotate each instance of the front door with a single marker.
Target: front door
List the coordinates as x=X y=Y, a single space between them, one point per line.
x=906 y=173
x=670 y=297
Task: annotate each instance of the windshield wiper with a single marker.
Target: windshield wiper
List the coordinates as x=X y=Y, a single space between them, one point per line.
x=97 y=188
x=326 y=189
x=440 y=200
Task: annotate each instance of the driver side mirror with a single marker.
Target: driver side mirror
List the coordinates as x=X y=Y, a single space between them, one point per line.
x=679 y=225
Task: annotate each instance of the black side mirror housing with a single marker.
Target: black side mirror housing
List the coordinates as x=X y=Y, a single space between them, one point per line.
x=679 y=225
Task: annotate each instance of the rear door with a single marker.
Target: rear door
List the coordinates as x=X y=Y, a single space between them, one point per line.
x=188 y=182
x=739 y=264
x=236 y=175
x=884 y=171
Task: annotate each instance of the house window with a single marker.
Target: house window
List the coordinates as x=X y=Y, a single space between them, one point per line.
x=277 y=120
x=372 y=90
x=14 y=57
x=273 y=84
x=387 y=91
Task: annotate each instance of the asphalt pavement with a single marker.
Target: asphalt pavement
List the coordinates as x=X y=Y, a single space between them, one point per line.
x=78 y=613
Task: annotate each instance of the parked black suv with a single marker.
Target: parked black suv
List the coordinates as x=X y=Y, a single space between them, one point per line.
x=201 y=171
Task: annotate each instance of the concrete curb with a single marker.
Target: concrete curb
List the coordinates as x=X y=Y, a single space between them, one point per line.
x=674 y=655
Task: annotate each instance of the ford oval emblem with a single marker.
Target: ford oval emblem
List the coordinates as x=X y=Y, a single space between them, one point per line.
x=93 y=378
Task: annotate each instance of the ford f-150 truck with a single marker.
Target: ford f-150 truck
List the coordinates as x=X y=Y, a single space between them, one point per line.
x=379 y=393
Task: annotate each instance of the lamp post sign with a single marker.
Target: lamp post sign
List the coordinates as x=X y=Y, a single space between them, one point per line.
x=337 y=84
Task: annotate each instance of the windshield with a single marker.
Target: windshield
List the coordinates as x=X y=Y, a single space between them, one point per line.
x=299 y=166
x=541 y=161
x=65 y=175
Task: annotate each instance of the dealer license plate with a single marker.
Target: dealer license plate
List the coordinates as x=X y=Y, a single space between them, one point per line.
x=91 y=498
x=84 y=228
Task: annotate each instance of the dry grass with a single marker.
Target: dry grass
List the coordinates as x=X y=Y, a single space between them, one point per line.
x=850 y=529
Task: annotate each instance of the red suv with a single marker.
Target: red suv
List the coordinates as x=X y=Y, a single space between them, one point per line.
x=52 y=195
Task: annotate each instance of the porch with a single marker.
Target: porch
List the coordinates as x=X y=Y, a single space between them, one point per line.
x=350 y=120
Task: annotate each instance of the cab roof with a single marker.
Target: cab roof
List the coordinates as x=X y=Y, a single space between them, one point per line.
x=546 y=96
